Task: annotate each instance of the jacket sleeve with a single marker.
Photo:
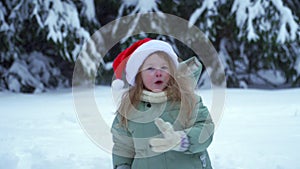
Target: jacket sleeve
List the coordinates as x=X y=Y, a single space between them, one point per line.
x=123 y=148
x=201 y=129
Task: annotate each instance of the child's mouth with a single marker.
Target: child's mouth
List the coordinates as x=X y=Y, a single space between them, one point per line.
x=159 y=82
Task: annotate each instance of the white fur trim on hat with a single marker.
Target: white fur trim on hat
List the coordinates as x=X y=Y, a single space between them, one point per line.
x=138 y=57
x=117 y=84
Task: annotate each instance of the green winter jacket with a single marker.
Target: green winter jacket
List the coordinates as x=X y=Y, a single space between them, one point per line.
x=131 y=143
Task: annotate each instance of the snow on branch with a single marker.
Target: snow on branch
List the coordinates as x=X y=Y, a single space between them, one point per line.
x=4 y=26
x=206 y=5
x=248 y=12
x=141 y=6
x=61 y=15
x=89 y=10
x=33 y=71
x=286 y=20
x=62 y=20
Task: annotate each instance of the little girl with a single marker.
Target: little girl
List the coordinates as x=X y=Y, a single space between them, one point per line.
x=160 y=123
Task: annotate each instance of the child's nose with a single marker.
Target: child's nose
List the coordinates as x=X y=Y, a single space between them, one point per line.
x=158 y=72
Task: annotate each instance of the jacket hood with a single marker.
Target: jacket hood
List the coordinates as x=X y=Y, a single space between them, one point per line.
x=191 y=68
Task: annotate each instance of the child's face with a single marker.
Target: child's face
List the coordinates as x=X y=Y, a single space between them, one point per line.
x=155 y=73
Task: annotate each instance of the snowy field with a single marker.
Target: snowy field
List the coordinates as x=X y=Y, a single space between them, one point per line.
x=258 y=130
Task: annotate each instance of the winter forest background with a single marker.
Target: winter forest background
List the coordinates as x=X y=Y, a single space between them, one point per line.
x=41 y=40
x=258 y=41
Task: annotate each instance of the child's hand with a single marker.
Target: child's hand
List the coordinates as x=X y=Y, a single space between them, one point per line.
x=173 y=140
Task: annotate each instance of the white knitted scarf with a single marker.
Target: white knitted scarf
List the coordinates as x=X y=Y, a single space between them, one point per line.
x=152 y=97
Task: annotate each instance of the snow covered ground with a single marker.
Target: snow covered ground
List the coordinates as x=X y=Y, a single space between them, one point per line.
x=258 y=130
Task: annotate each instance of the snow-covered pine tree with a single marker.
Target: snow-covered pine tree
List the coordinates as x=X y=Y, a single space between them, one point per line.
x=258 y=41
x=40 y=41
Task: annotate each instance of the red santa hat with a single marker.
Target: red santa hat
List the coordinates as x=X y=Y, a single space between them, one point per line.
x=132 y=58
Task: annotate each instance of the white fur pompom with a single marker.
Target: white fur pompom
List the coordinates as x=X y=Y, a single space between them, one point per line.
x=117 y=84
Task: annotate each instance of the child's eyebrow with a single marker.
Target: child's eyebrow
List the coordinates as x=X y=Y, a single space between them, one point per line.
x=151 y=65
x=148 y=64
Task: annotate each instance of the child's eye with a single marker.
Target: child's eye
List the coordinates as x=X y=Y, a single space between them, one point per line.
x=150 y=69
x=164 y=68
